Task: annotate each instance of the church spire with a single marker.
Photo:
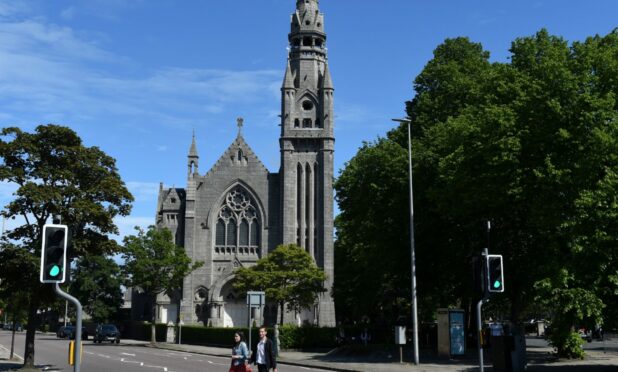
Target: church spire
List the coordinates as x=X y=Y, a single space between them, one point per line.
x=288 y=81
x=327 y=82
x=193 y=158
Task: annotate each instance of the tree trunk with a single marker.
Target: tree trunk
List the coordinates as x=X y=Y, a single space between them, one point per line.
x=13 y=336
x=153 y=328
x=31 y=330
x=282 y=307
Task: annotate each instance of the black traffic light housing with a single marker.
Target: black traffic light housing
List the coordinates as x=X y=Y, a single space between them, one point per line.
x=54 y=254
x=494 y=273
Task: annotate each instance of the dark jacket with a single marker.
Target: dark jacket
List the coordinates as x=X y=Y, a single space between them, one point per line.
x=269 y=354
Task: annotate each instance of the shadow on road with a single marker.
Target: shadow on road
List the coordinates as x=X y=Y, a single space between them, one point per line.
x=575 y=368
x=17 y=366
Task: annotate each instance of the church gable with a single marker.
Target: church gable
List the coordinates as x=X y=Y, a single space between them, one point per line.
x=239 y=158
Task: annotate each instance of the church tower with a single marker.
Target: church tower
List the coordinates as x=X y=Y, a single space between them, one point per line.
x=307 y=145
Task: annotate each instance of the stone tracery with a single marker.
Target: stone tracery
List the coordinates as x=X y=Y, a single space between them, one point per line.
x=238 y=224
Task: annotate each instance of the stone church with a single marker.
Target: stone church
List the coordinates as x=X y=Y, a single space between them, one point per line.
x=238 y=211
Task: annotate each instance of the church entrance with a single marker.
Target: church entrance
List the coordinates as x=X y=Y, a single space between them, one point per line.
x=235 y=307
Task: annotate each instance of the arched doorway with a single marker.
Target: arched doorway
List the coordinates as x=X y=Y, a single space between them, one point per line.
x=234 y=308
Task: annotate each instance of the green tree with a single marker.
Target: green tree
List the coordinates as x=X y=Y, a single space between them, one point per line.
x=56 y=174
x=372 y=233
x=96 y=282
x=156 y=265
x=530 y=145
x=287 y=275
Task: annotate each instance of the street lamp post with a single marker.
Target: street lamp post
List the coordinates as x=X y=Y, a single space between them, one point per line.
x=412 y=254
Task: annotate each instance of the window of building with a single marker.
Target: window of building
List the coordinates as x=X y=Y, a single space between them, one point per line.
x=306 y=123
x=307 y=105
x=238 y=225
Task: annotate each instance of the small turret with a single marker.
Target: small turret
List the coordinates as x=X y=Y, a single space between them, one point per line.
x=193 y=158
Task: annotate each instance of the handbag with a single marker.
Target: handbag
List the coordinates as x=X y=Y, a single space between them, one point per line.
x=240 y=368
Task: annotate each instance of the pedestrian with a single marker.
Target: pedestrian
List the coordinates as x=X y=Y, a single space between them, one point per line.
x=240 y=354
x=365 y=336
x=263 y=355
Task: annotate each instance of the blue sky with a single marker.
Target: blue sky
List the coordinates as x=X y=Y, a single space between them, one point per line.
x=136 y=77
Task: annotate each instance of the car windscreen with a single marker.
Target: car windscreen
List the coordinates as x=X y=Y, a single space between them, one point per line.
x=110 y=328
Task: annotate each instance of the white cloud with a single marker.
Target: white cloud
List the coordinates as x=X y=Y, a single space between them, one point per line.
x=10 y=7
x=51 y=73
x=68 y=13
x=126 y=225
x=143 y=191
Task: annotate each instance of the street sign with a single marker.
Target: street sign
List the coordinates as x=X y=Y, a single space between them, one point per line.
x=255 y=299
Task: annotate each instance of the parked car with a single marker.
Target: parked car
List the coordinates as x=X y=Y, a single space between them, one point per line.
x=69 y=332
x=60 y=333
x=107 y=332
x=585 y=334
x=9 y=326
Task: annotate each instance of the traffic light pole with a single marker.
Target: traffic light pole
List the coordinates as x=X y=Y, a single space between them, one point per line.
x=479 y=323
x=78 y=326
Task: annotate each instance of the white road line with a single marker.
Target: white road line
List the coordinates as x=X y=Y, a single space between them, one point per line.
x=14 y=354
x=129 y=354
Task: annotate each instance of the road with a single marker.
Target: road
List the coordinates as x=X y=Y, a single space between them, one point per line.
x=52 y=353
x=609 y=345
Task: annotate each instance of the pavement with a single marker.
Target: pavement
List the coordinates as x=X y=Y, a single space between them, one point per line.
x=540 y=358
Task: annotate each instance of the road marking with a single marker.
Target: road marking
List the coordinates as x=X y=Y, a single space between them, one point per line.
x=14 y=354
x=129 y=354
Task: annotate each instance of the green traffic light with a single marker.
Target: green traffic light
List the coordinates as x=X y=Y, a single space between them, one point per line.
x=54 y=271
x=497 y=284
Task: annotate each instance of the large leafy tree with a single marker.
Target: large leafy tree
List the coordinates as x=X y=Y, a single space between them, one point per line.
x=96 y=282
x=55 y=174
x=156 y=265
x=288 y=275
x=530 y=145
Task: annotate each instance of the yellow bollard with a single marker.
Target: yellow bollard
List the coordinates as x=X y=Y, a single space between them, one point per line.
x=72 y=352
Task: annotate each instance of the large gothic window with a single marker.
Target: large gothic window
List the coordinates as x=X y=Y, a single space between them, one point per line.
x=238 y=225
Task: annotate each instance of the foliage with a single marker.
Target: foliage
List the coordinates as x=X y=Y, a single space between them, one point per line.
x=372 y=231
x=96 y=282
x=568 y=344
x=55 y=174
x=287 y=275
x=306 y=337
x=155 y=264
x=531 y=145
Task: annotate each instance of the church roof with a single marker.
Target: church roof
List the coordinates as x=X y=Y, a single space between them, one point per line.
x=230 y=156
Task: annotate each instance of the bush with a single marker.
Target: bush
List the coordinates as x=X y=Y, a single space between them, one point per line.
x=209 y=336
x=294 y=337
x=568 y=344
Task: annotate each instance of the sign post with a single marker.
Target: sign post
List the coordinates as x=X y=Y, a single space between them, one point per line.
x=254 y=299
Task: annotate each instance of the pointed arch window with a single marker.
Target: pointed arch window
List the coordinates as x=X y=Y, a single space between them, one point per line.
x=238 y=225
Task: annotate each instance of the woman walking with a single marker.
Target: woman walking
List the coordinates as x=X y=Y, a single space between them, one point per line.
x=240 y=354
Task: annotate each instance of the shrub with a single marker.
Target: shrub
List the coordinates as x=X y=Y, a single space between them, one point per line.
x=568 y=344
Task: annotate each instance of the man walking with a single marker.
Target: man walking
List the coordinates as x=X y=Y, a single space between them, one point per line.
x=263 y=354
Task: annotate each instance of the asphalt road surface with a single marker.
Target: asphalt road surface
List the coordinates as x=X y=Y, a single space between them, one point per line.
x=52 y=353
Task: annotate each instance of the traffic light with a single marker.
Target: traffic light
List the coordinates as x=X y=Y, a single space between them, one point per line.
x=495 y=275
x=54 y=254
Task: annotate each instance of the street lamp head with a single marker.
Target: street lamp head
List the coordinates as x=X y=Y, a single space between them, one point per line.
x=407 y=121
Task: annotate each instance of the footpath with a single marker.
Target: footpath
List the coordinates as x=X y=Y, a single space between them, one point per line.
x=539 y=359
